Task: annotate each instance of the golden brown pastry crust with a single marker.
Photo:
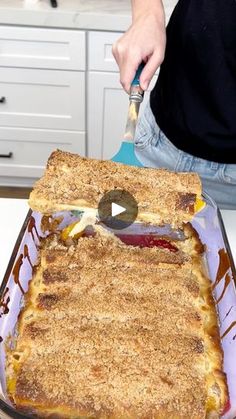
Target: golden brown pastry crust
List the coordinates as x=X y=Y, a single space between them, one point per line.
x=71 y=182
x=115 y=331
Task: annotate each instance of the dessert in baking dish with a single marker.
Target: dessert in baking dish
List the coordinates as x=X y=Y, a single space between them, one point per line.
x=117 y=328
x=73 y=182
x=111 y=330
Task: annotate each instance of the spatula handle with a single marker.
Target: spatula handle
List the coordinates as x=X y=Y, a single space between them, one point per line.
x=136 y=80
x=136 y=92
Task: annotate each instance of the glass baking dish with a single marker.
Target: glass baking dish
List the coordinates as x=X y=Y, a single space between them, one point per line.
x=210 y=228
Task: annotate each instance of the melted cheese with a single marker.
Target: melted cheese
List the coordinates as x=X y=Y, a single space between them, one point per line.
x=199 y=205
x=89 y=218
x=76 y=229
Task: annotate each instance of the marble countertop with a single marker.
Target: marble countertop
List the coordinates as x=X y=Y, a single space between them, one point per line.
x=105 y=15
x=14 y=211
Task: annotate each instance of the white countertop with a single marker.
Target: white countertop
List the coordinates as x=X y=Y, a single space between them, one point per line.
x=111 y=15
x=13 y=213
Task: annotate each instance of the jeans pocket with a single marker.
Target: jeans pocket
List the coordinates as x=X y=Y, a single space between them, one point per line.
x=229 y=174
x=143 y=136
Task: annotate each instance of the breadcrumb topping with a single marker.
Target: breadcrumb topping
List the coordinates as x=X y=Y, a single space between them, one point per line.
x=112 y=331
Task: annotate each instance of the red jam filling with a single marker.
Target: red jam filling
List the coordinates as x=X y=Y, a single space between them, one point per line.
x=141 y=240
x=227 y=408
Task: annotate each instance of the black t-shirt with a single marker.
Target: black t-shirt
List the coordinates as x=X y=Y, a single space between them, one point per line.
x=194 y=100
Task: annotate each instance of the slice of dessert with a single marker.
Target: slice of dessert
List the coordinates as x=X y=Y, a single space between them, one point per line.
x=71 y=182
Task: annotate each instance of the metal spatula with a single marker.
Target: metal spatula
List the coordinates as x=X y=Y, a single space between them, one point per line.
x=126 y=152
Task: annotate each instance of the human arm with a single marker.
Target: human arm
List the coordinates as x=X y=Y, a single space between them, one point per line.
x=145 y=41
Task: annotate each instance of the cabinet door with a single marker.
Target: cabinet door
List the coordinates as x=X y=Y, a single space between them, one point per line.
x=45 y=99
x=100 y=57
x=107 y=114
x=24 y=152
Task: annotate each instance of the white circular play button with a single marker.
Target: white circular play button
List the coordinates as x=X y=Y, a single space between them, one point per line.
x=117 y=209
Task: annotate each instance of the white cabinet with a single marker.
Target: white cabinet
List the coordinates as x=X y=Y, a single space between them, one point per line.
x=42 y=99
x=45 y=99
x=100 y=56
x=58 y=89
x=24 y=152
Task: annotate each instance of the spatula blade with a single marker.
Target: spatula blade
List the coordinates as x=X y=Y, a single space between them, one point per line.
x=126 y=155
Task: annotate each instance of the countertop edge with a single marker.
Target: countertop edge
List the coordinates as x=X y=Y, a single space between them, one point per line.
x=65 y=20
x=68 y=19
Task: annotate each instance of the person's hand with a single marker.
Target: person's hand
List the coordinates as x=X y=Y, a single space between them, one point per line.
x=144 y=41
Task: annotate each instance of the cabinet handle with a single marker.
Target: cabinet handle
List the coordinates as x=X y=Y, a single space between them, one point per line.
x=2 y=99
x=54 y=3
x=7 y=156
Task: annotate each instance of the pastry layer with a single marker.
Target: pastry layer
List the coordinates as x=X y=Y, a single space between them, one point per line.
x=73 y=182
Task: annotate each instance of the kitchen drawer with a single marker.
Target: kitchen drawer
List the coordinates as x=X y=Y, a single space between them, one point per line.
x=100 y=51
x=42 y=48
x=28 y=158
x=46 y=99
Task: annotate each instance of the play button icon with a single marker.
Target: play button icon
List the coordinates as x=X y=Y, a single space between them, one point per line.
x=117 y=209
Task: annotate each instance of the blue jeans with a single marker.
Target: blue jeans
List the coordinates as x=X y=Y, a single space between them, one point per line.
x=154 y=149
